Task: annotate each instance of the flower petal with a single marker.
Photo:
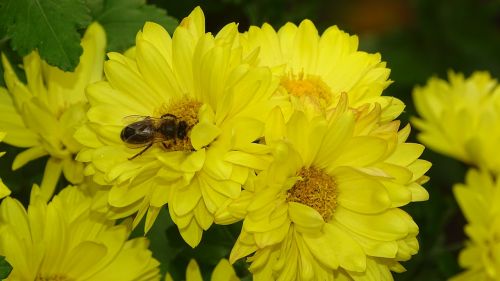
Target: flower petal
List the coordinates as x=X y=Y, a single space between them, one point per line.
x=51 y=176
x=305 y=217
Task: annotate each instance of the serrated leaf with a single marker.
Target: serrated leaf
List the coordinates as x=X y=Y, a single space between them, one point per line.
x=51 y=26
x=122 y=19
x=5 y=268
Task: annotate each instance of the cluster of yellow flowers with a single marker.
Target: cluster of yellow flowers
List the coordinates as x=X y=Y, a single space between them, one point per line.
x=461 y=119
x=284 y=130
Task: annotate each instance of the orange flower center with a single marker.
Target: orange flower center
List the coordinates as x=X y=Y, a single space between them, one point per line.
x=309 y=89
x=316 y=189
x=184 y=113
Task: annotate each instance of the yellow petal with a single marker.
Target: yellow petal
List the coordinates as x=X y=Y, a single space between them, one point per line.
x=51 y=175
x=156 y=70
x=182 y=57
x=406 y=154
x=418 y=193
x=400 y=195
x=194 y=161
x=168 y=277
x=13 y=123
x=247 y=160
x=241 y=250
x=158 y=37
x=203 y=134
x=323 y=249
x=472 y=204
x=185 y=199
x=42 y=122
x=203 y=216
x=305 y=217
x=28 y=155
x=4 y=190
x=305 y=56
x=362 y=151
x=129 y=83
x=348 y=252
x=150 y=218
x=359 y=192
x=82 y=257
x=386 y=226
x=192 y=233
x=224 y=272
x=72 y=170
x=193 y=271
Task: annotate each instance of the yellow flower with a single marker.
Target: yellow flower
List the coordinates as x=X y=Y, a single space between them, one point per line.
x=43 y=114
x=479 y=199
x=206 y=105
x=222 y=272
x=460 y=118
x=315 y=69
x=63 y=240
x=329 y=204
x=4 y=190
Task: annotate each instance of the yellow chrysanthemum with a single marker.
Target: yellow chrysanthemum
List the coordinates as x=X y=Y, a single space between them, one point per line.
x=64 y=241
x=460 y=118
x=328 y=207
x=479 y=199
x=43 y=114
x=4 y=190
x=212 y=101
x=315 y=69
x=222 y=272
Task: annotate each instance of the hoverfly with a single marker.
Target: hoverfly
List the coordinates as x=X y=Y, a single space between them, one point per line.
x=149 y=130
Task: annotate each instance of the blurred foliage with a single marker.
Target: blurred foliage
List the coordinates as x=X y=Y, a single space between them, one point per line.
x=417 y=38
x=5 y=268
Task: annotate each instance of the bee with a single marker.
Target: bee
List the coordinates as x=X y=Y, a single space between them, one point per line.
x=149 y=130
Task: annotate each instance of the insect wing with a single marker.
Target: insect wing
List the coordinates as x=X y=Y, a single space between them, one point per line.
x=133 y=118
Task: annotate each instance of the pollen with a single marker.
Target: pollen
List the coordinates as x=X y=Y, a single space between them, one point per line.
x=308 y=88
x=185 y=110
x=315 y=189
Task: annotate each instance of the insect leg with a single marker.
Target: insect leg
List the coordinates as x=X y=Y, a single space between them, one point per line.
x=166 y=146
x=142 y=151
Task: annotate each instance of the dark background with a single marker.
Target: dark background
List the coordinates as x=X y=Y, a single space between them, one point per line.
x=418 y=39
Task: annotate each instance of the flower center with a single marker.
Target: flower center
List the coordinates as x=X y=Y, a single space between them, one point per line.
x=315 y=189
x=55 y=277
x=308 y=89
x=182 y=115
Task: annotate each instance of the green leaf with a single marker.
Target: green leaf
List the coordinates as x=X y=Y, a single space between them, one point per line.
x=5 y=268
x=122 y=19
x=51 y=26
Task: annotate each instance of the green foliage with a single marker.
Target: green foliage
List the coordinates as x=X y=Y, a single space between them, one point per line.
x=51 y=26
x=123 y=18
x=54 y=27
x=5 y=268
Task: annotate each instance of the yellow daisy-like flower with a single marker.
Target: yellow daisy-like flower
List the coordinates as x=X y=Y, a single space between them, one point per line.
x=222 y=272
x=202 y=104
x=460 y=118
x=315 y=69
x=43 y=114
x=63 y=241
x=479 y=199
x=4 y=190
x=328 y=207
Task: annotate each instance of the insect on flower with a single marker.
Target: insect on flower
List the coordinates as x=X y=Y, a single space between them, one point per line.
x=149 y=130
